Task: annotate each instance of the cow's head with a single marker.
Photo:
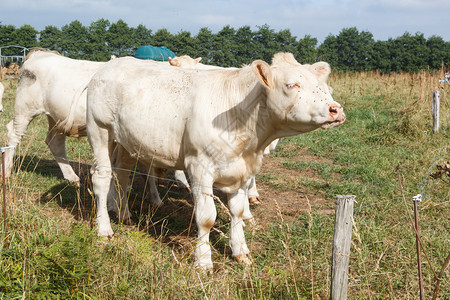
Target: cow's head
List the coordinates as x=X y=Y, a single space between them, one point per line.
x=184 y=61
x=298 y=95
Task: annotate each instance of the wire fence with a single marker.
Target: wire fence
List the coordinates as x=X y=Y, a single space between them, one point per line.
x=421 y=185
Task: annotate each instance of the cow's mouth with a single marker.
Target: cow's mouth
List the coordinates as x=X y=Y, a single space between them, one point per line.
x=334 y=123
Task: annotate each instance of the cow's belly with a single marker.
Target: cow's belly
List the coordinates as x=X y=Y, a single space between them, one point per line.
x=233 y=175
x=155 y=143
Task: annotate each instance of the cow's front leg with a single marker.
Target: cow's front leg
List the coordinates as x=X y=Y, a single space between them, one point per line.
x=205 y=216
x=239 y=249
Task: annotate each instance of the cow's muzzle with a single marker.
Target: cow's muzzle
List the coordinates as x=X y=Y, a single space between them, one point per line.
x=337 y=116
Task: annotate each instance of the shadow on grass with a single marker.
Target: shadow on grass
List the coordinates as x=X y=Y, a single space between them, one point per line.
x=172 y=223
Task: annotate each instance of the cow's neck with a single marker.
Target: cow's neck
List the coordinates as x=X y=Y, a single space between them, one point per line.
x=248 y=121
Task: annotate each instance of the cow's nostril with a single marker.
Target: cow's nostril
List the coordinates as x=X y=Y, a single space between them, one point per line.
x=334 y=110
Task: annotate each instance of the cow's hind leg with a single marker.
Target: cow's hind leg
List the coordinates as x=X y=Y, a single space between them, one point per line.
x=56 y=142
x=101 y=177
x=117 y=196
x=253 y=195
x=181 y=180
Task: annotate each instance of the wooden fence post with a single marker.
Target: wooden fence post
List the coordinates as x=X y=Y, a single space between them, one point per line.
x=4 y=198
x=341 y=246
x=435 y=110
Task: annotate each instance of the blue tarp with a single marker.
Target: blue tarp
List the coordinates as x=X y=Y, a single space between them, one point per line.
x=154 y=53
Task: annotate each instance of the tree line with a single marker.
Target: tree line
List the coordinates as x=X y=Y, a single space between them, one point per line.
x=350 y=50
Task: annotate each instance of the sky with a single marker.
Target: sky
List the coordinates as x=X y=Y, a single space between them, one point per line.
x=318 y=18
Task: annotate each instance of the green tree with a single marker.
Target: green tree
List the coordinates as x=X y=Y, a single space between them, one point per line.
x=349 y=51
x=265 y=41
x=120 y=38
x=98 y=48
x=184 y=44
x=409 y=53
x=381 y=61
x=245 y=50
x=203 y=45
x=163 y=37
x=6 y=35
x=25 y=36
x=6 y=39
x=437 y=52
x=306 y=50
x=223 y=45
x=142 y=36
x=328 y=51
x=50 y=38
x=285 y=42
x=74 y=39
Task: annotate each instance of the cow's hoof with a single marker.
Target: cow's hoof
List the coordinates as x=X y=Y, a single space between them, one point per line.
x=156 y=203
x=250 y=221
x=105 y=234
x=245 y=259
x=204 y=266
x=75 y=183
x=254 y=201
x=104 y=228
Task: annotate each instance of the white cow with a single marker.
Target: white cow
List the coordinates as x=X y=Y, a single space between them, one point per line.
x=47 y=85
x=213 y=123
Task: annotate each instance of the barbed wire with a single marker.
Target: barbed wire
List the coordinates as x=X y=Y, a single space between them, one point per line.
x=422 y=185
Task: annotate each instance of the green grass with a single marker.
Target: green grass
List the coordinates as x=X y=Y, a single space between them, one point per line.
x=383 y=154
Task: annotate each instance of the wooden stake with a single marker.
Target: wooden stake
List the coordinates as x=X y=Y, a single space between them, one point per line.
x=416 y=199
x=4 y=197
x=435 y=110
x=341 y=246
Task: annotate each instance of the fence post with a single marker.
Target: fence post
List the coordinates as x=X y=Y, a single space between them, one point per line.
x=4 y=196
x=341 y=246
x=416 y=199
x=435 y=110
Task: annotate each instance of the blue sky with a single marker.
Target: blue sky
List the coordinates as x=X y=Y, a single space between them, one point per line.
x=318 y=18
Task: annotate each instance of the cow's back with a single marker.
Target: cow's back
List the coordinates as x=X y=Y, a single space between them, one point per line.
x=131 y=95
x=48 y=83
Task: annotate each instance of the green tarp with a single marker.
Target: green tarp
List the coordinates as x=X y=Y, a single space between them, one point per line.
x=154 y=53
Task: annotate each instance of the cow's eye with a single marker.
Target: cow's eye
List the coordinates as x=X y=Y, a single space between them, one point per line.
x=293 y=85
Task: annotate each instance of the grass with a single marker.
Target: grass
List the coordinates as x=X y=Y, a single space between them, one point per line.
x=383 y=154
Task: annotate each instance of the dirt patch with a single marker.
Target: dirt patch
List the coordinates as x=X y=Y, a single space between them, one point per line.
x=287 y=203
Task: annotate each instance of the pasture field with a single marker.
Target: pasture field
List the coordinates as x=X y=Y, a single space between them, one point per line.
x=384 y=154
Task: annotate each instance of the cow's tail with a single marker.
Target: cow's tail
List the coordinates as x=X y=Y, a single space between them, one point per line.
x=67 y=125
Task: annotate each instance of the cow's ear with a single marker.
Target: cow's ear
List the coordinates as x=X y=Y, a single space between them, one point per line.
x=197 y=60
x=321 y=70
x=263 y=72
x=173 y=62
